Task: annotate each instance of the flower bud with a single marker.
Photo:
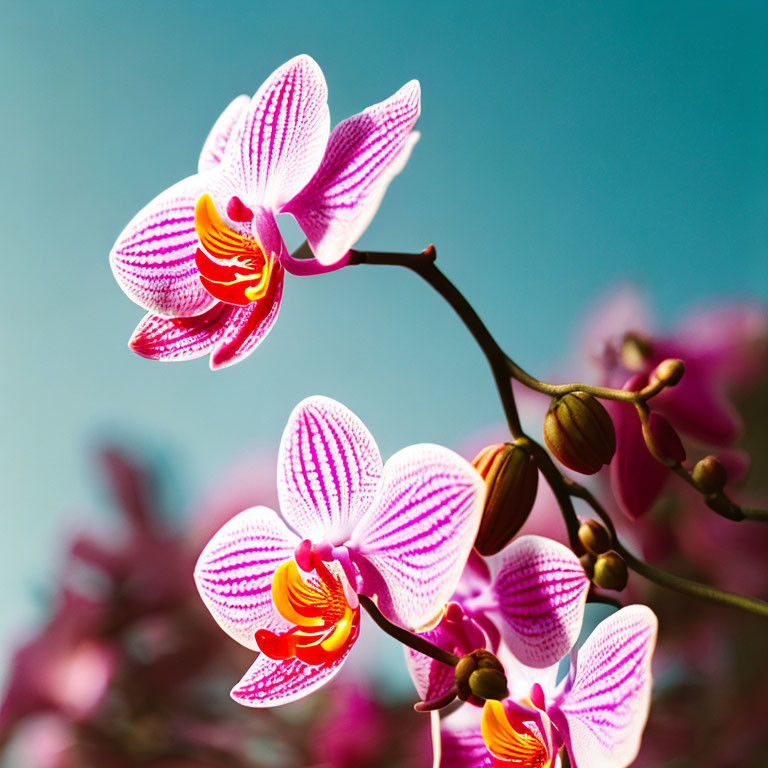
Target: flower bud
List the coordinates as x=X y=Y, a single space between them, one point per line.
x=669 y=372
x=489 y=684
x=480 y=674
x=511 y=479
x=635 y=351
x=588 y=564
x=580 y=433
x=710 y=475
x=594 y=537
x=610 y=571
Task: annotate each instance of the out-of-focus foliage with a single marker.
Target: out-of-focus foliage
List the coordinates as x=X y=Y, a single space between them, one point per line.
x=129 y=669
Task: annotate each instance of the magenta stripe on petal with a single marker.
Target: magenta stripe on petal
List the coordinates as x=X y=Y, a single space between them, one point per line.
x=183 y=338
x=540 y=589
x=216 y=143
x=234 y=572
x=279 y=142
x=602 y=712
x=248 y=326
x=414 y=541
x=365 y=152
x=328 y=469
x=153 y=259
x=269 y=683
x=462 y=741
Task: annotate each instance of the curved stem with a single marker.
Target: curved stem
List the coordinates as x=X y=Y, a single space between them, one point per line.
x=755 y=514
x=502 y=366
x=688 y=587
x=606 y=393
x=418 y=643
x=424 y=265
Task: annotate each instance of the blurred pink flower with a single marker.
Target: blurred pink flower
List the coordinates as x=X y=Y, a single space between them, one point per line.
x=725 y=350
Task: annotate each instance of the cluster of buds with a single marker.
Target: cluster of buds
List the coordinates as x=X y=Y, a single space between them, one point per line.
x=604 y=567
x=511 y=480
x=580 y=433
x=480 y=676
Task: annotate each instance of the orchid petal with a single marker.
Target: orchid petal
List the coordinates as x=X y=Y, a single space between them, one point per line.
x=456 y=633
x=216 y=143
x=416 y=537
x=248 y=326
x=462 y=740
x=180 y=338
x=153 y=259
x=602 y=712
x=279 y=142
x=637 y=477
x=365 y=152
x=328 y=469
x=234 y=572
x=541 y=589
x=269 y=683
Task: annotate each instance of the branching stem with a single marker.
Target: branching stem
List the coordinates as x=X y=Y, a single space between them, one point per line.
x=503 y=369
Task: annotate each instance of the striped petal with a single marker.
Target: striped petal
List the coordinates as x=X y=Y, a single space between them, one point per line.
x=216 y=143
x=602 y=711
x=248 y=326
x=269 y=683
x=234 y=572
x=328 y=469
x=180 y=338
x=414 y=541
x=540 y=588
x=456 y=633
x=462 y=740
x=365 y=152
x=279 y=142
x=153 y=260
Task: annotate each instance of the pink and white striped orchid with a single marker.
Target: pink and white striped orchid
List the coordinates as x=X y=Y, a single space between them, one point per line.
x=287 y=585
x=206 y=259
x=597 y=713
x=530 y=597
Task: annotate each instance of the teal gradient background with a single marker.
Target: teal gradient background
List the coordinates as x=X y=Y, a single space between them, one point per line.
x=566 y=148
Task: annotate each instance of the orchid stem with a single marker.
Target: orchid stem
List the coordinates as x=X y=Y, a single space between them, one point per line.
x=688 y=587
x=755 y=514
x=503 y=368
x=418 y=643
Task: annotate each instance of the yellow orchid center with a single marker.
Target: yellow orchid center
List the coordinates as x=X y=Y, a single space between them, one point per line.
x=325 y=625
x=233 y=268
x=518 y=747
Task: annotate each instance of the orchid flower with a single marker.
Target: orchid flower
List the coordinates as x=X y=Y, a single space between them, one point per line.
x=597 y=713
x=722 y=350
x=206 y=259
x=287 y=585
x=531 y=596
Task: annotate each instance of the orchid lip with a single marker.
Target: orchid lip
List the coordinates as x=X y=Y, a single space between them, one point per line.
x=324 y=624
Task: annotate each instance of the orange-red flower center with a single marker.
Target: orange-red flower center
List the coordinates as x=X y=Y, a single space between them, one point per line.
x=516 y=746
x=233 y=268
x=325 y=625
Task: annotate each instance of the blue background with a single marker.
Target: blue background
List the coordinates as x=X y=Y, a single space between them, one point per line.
x=566 y=147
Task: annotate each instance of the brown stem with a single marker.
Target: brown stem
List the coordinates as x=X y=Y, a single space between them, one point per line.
x=417 y=642
x=563 y=488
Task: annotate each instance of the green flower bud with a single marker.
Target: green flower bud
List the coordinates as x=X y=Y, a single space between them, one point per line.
x=669 y=372
x=588 y=564
x=489 y=684
x=610 y=571
x=480 y=674
x=580 y=433
x=710 y=475
x=594 y=537
x=511 y=479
